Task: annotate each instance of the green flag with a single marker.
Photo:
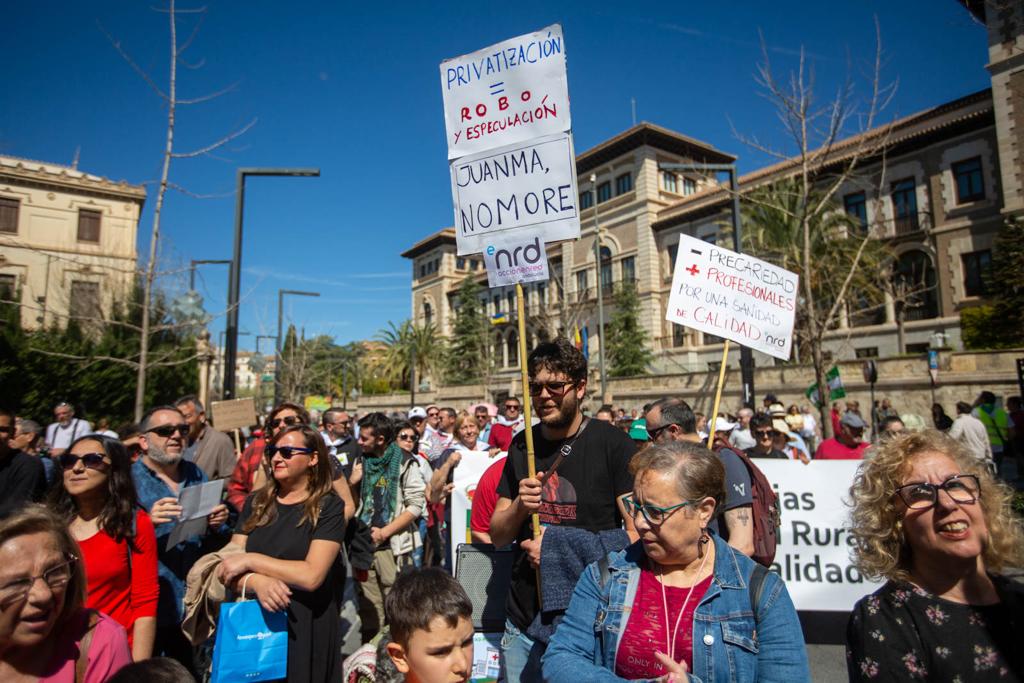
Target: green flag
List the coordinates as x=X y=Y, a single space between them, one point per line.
x=835 y=387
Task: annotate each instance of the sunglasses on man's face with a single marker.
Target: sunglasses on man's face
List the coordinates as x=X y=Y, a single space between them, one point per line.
x=764 y=434
x=288 y=452
x=509 y=406
x=91 y=461
x=555 y=389
x=288 y=421
x=166 y=431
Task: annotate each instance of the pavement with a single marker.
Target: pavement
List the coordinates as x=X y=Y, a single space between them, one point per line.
x=828 y=663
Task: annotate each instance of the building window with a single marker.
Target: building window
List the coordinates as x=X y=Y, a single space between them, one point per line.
x=624 y=183
x=678 y=335
x=8 y=287
x=629 y=269
x=428 y=314
x=513 y=349
x=604 y=192
x=586 y=200
x=669 y=181
x=581 y=285
x=915 y=281
x=976 y=265
x=904 y=205
x=918 y=347
x=510 y=297
x=673 y=252
x=970 y=186
x=85 y=300
x=689 y=186
x=497 y=303
x=856 y=206
x=88 y=225
x=460 y=263
x=9 y=215
x=607 y=279
x=867 y=352
x=542 y=293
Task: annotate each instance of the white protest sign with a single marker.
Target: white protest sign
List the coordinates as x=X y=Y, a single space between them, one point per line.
x=519 y=257
x=735 y=296
x=466 y=476
x=531 y=184
x=513 y=91
x=813 y=553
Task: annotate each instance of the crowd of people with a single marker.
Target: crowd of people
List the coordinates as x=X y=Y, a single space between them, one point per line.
x=641 y=539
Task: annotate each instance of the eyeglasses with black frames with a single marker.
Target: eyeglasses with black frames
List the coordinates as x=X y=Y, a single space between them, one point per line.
x=653 y=514
x=961 y=488
x=653 y=434
x=166 y=431
x=288 y=452
x=91 y=461
x=554 y=389
x=288 y=421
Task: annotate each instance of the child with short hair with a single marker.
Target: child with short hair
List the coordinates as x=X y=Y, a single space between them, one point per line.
x=430 y=620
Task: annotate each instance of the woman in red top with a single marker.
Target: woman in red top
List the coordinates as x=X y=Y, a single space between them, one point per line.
x=97 y=498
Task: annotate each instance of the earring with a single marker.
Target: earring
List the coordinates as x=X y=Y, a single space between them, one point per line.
x=703 y=541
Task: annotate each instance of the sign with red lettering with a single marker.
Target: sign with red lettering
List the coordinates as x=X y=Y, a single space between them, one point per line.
x=734 y=296
x=507 y=93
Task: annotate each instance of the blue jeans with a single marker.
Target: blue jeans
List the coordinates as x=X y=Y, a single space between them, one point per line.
x=521 y=655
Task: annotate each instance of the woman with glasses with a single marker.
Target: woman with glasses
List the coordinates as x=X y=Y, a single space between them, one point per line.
x=678 y=603
x=249 y=473
x=935 y=524
x=46 y=634
x=292 y=530
x=97 y=498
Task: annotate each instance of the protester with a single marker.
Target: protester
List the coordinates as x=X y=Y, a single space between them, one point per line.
x=431 y=627
x=582 y=476
x=723 y=428
x=66 y=429
x=22 y=476
x=392 y=498
x=997 y=423
x=337 y=434
x=702 y=426
x=971 y=432
x=778 y=413
x=890 y=427
x=445 y=434
x=131 y=437
x=45 y=633
x=213 y=451
x=483 y=421
x=764 y=433
x=795 y=419
x=933 y=522
x=679 y=573
x=160 y=476
x=103 y=428
x=292 y=530
x=940 y=419
x=835 y=416
x=96 y=498
x=847 y=444
x=485 y=498
x=740 y=437
x=638 y=433
x=250 y=473
x=507 y=425
x=605 y=413
x=885 y=410
x=29 y=438
x=811 y=433
x=671 y=419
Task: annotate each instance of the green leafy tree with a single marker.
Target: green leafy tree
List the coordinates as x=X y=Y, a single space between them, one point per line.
x=468 y=358
x=629 y=354
x=406 y=342
x=1004 y=282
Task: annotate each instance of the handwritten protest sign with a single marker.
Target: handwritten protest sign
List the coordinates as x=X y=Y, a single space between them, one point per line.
x=734 y=296
x=236 y=414
x=517 y=258
x=507 y=93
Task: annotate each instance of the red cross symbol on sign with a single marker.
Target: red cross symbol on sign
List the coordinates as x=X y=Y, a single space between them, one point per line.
x=692 y=270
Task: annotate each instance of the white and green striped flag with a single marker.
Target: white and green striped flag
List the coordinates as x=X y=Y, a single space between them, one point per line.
x=835 y=387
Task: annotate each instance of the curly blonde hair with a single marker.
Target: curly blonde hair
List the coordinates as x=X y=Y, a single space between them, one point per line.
x=880 y=550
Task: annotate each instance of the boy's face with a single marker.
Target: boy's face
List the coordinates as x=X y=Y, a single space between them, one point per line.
x=442 y=654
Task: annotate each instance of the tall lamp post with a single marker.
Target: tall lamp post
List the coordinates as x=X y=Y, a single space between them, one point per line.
x=234 y=285
x=280 y=312
x=746 y=355
x=600 y=288
x=197 y=262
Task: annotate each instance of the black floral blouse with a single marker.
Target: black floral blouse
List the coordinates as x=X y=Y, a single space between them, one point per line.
x=903 y=633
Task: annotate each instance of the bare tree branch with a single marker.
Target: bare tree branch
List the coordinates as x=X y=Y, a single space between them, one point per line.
x=219 y=143
x=131 y=62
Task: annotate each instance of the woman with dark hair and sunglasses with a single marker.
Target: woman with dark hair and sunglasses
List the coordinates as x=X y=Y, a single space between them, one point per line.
x=932 y=521
x=118 y=545
x=292 y=530
x=249 y=473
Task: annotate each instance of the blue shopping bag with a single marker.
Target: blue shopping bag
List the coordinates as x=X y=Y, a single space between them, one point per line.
x=251 y=644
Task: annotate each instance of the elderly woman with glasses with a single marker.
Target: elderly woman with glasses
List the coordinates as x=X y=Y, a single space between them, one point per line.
x=680 y=604
x=46 y=635
x=932 y=521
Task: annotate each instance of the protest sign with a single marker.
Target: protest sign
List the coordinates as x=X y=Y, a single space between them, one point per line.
x=486 y=658
x=516 y=258
x=813 y=552
x=236 y=414
x=507 y=93
x=466 y=476
x=734 y=296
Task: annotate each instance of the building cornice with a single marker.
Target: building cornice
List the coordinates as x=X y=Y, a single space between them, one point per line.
x=27 y=172
x=652 y=135
x=439 y=238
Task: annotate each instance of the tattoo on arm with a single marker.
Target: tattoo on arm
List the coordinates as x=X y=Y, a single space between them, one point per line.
x=743 y=517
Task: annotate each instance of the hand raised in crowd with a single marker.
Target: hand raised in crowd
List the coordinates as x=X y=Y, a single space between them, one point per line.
x=676 y=670
x=530 y=492
x=273 y=594
x=165 y=510
x=532 y=548
x=217 y=516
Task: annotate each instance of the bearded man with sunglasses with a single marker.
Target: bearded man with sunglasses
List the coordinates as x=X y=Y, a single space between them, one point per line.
x=159 y=476
x=582 y=476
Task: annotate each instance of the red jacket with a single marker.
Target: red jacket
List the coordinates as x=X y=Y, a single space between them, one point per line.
x=240 y=484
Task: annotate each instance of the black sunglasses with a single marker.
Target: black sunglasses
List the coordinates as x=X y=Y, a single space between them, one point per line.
x=289 y=421
x=287 y=452
x=653 y=434
x=762 y=433
x=510 y=406
x=167 y=430
x=555 y=389
x=92 y=461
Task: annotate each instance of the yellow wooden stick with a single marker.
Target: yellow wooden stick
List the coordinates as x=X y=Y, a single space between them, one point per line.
x=718 y=395
x=531 y=459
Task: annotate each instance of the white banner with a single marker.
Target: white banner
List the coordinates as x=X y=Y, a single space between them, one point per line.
x=507 y=93
x=466 y=476
x=528 y=185
x=519 y=257
x=735 y=296
x=813 y=555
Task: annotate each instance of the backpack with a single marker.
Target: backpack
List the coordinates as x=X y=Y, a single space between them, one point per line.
x=766 y=512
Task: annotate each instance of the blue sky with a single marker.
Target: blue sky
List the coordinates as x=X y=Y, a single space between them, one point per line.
x=355 y=91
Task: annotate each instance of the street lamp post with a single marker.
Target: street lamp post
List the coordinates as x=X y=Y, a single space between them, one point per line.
x=280 y=312
x=746 y=355
x=600 y=287
x=197 y=262
x=234 y=285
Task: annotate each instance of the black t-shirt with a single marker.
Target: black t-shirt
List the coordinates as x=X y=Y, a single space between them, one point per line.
x=582 y=493
x=22 y=480
x=773 y=453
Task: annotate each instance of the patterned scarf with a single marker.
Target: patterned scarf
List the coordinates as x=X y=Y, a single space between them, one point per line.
x=381 y=475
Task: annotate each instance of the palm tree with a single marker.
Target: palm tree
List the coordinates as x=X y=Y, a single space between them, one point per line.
x=406 y=342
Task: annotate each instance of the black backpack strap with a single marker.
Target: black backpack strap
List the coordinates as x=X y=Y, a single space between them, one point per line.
x=756 y=587
x=603 y=572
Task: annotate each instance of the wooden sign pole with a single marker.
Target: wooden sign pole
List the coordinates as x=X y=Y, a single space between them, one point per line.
x=718 y=395
x=531 y=458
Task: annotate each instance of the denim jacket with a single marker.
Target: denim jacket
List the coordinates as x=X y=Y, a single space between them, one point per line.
x=728 y=644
